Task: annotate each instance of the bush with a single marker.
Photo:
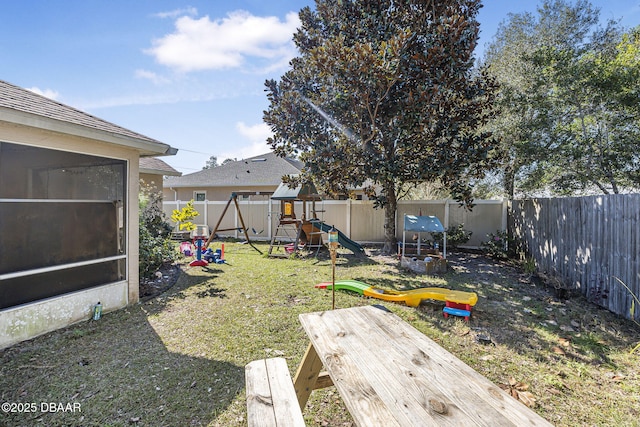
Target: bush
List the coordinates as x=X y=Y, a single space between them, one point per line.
x=156 y=247
x=456 y=235
x=499 y=245
x=184 y=216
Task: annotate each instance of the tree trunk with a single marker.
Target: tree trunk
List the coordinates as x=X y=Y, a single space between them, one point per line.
x=390 y=207
x=509 y=180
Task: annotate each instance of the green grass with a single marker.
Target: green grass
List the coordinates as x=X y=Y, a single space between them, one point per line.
x=178 y=359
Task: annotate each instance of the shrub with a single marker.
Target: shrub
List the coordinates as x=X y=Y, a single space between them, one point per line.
x=156 y=247
x=456 y=235
x=184 y=216
x=499 y=245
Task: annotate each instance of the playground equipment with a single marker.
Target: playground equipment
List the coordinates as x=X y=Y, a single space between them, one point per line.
x=198 y=235
x=344 y=241
x=293 y=232
x=306 y=231
x=434 y=263
x=457 y=303
x=233 y=198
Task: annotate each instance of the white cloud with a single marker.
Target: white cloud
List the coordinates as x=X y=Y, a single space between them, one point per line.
x=256 y=133
x=192 y=11
x=151 y=76
x=257 y=136
x=49 y=93
x=202 y=44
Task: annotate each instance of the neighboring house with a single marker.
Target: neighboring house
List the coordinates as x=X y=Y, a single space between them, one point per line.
x=68 y=214
x=260 y=174
x=153 y=171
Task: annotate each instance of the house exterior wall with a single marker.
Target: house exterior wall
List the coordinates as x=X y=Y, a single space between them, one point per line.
x=33 y=319
x=213 y=193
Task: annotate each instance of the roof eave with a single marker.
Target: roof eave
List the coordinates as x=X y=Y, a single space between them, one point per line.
x=143 y=146
x=160 y=172
x=255 y=185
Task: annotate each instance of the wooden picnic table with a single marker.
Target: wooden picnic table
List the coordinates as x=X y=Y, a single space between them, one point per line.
x=390 y=374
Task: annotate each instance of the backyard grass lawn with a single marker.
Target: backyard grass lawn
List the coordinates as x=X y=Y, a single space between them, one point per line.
x=178 y=359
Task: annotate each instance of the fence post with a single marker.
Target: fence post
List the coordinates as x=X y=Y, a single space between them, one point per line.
x=349 y=217
x=446 y=214
x=505 y=204
x=269 y=221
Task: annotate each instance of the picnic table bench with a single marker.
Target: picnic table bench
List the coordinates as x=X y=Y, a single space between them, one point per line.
x=390 y=374
x=271 y=398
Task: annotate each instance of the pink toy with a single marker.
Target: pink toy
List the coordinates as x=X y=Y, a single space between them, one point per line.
x=186 y=249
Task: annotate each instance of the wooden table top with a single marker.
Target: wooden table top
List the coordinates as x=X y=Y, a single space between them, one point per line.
x=390 y=374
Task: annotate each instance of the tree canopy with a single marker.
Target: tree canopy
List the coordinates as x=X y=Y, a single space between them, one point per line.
x=384 y=94
x=568 y=103
x=212 y=162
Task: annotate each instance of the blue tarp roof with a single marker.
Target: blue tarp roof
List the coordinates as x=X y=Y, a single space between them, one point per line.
x=422 y=224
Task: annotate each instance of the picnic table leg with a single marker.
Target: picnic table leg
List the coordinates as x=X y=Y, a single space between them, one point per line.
x=307 y=375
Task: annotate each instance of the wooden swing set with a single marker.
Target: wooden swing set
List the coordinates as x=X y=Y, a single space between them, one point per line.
x=234 y=199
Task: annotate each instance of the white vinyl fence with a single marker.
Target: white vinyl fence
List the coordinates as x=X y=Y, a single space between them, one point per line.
x=356 y=218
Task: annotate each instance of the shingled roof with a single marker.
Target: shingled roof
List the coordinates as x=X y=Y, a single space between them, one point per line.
x=266 y=169
x=156 y=166
x=21 y=106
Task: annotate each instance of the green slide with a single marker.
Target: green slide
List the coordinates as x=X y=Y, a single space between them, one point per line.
x=344 y=241
x=346 y=285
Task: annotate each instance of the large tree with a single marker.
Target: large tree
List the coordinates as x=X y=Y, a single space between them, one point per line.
x=383 y=94
x=563 y=124
x=593 y=93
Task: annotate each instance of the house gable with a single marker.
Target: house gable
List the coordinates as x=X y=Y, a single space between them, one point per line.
x=259 y=173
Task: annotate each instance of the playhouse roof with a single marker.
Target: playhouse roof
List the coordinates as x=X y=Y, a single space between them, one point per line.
x=422 y=224
x=301 y=192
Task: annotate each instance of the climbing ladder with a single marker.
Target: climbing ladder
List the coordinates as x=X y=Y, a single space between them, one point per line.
x=287 y=233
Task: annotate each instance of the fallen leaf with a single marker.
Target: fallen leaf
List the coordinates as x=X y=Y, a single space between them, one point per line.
x=564 y=342
x=463 y=332
x=518 y=390
x=617 y=377
x=558 y=350
x=527 y=398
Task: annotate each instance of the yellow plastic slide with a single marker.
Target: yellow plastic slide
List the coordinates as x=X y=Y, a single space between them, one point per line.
x=413 y=297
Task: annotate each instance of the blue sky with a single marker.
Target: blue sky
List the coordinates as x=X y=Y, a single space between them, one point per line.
x=190 y=74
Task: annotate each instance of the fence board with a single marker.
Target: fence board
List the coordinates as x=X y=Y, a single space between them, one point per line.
x=357 y=219
x=587 y=242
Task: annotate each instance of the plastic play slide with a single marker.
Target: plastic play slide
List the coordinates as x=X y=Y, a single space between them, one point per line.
x=411 y=298
x=354 y=247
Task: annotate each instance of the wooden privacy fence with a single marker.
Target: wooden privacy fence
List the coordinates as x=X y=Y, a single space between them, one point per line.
x=355 y=218
x=586 y=242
